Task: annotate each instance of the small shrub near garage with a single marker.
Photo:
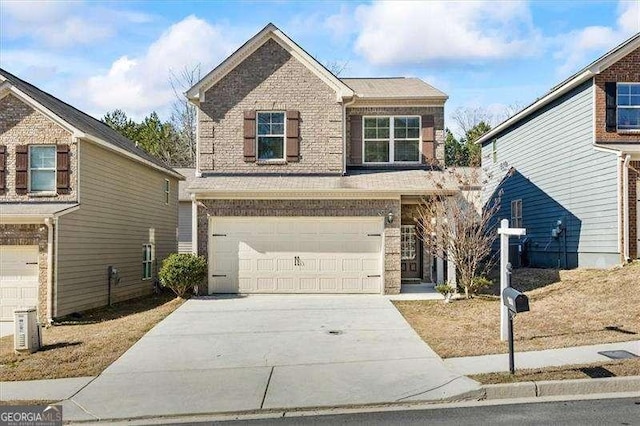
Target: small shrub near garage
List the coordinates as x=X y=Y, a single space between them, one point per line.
x=181 y=272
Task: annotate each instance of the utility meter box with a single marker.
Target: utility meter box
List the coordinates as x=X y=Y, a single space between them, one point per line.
x=26 y=336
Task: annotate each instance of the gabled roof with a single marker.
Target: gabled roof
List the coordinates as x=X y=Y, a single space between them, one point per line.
x=270 y=32
x=393 y=88
x=588 y=72
x=86 y=126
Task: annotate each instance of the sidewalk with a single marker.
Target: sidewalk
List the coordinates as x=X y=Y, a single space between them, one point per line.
x=42 y=390
x=538 y=359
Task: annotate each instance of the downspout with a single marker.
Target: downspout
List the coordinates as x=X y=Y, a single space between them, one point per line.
x=49 y=222
x=344 y=133
x=625 y=206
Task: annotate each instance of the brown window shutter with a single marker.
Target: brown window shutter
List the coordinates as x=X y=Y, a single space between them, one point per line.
x=428 y=139
x=3 y=168
x=62 y=169
x=356 y=139
x=22 y=167
x=249 y=136
x=611 y=112
x=293 y=136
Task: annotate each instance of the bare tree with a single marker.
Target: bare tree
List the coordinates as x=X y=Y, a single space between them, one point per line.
x=457 y=228
x=184 y=115
x=337 y=67
x=466 y=118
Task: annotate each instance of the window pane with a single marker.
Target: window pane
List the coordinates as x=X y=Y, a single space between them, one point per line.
x=383 y=122
x=42 y=180
x=370 y=133
x=629 y=118
x=277 y=117
x=400 y=122
x=277 y=129
x=263 y=129
x=413 y=122
x=634 y=89
x=42 y=157
x=406 y=151
x=264 y=117
x=624 y=100
x=376 y=152
x=270 y=148
x=399 y=133
x=623 y=89
x=383 y=133
x=635 y=100
x=413 y=133
x=369 y=122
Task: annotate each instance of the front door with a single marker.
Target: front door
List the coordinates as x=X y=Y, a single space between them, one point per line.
x=410 y=253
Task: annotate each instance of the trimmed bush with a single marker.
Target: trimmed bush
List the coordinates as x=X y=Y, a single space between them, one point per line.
x=180 y=272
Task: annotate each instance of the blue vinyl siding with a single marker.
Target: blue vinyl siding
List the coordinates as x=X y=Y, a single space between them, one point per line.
x=548 y=161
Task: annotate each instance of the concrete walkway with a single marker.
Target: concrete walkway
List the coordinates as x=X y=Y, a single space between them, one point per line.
x=270 y=352
x=538 y=359
x=42 y=390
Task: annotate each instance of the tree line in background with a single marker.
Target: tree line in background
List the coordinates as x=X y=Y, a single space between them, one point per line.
x=172 y=141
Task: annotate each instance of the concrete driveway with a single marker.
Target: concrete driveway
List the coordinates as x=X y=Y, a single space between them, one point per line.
x=270 y=352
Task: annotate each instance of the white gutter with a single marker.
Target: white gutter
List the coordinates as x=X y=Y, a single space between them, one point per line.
x=344 y=133
x=49 y=222
x=194 y=225
x=625 y=203
x=575 y=82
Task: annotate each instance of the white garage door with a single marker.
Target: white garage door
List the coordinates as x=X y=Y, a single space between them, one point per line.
x=295 y=255
x=18 y=279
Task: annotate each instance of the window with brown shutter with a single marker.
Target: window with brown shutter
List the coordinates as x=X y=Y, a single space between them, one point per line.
x=62 y=169
x=428 y=139
x=249 y=136
x=22 y=167
x=610 y=118
x=3 y=168
x=293 y=136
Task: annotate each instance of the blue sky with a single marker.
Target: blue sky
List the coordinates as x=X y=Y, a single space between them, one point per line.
x=100 y=56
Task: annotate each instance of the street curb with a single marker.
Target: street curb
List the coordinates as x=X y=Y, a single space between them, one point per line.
x=561 y=387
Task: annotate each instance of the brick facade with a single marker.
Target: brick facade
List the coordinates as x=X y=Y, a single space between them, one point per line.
x=31 y=234
x=625 y=70
x=22 y=125
x=288 y=208
x=436 y=111
x=270 y=79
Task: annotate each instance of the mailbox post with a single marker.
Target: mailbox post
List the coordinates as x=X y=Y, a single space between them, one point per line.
x=515 y=302
x=505 y=232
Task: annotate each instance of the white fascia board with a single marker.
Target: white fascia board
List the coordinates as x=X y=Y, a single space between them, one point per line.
x=196 y=93
x=24 y=218
x=537 y=105
x=317 y=194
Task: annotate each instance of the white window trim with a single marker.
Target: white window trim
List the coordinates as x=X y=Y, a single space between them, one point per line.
x=284 y=138
x=167 y=191
x=150 y=261
x=55 y=169
x=618 y=129
x=391 y=140
x=515 y=217
x=494 y=150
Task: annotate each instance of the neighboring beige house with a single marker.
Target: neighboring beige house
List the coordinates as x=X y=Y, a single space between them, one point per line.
x=306 y=182
x=185 y=211
x=76 y=198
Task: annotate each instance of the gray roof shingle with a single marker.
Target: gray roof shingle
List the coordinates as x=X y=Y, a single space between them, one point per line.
x=80 y=120
x=393 y=88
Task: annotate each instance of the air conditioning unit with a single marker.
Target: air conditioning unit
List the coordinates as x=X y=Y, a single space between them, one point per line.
x=26 y=336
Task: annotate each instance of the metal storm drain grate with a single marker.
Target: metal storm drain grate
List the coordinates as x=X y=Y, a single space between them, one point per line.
x=334 y=332
x=618 y=354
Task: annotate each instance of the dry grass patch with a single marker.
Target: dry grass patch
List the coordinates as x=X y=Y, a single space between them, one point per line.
x=86 y=345
x=627 y=367
x=583 y=307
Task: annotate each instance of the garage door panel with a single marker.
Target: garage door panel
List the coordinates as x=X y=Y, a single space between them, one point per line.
x=296 y=255
x=18 y=279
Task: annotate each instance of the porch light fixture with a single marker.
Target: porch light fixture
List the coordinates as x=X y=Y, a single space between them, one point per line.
x=390 y=217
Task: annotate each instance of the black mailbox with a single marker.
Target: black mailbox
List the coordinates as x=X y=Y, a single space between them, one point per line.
x=514 y=300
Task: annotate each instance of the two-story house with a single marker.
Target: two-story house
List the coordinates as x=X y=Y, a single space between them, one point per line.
x=568 y=166
x=306 y=182
x=77 y=201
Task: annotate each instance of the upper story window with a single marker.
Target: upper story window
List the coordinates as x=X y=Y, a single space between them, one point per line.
x=270 y=135
x=516 y=213
x=167 y=191
x=391 y=139
x=628 y=106
x=42 y=168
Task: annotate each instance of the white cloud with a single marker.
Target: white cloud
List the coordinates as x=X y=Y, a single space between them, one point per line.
x=400 y=32
x=577 y=46
x=63 y=24
x=141 y=84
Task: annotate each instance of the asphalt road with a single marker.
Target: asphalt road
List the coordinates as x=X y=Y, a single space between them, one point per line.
x=591 y=412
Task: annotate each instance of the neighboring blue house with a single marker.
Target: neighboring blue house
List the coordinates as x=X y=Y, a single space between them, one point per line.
x=567 y=167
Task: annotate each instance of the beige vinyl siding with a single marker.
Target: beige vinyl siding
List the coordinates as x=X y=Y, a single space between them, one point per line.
x=184 y=227
x=120 y=201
